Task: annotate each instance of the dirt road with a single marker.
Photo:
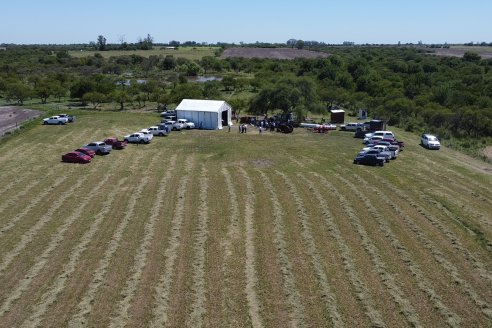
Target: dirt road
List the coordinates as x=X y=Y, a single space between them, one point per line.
x=12 y=117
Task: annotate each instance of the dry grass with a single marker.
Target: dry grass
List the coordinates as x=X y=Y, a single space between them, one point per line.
x=210 y=228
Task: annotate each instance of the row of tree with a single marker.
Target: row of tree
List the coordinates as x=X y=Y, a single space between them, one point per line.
x=449 y=96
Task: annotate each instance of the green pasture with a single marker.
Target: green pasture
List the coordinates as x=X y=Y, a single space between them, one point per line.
x=191 y=53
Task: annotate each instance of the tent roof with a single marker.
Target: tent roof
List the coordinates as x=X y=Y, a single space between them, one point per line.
x=200 y=105
x=337 y=111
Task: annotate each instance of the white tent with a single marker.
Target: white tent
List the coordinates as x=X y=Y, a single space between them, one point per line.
x=206 y=114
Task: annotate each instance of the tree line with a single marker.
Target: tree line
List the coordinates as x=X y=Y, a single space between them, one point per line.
x=408 y=88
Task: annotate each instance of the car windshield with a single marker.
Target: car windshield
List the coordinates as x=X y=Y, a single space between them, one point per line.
x=431 y=138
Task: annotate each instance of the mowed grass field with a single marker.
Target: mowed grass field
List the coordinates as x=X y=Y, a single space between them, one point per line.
x=219 y=229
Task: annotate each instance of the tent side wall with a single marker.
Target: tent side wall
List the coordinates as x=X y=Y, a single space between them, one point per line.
x=202 y=120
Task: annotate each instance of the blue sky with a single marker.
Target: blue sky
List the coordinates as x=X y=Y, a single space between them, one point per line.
x=370 y=21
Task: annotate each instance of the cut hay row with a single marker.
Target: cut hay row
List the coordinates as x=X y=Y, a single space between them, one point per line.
x=140 y=258
x=361 y=290
x=327 y=294
x=479 y=187
x=33 y=201
x=388 y=279
x=28 y=236
x=250 y=267
x=232 y=235
x=297 y=317
x=297 y=162
x=454 y=241
x=55 y=241
x=85 y=305
x=201 y=235
x=456 y=192
x=440 y=258
x=160 y=315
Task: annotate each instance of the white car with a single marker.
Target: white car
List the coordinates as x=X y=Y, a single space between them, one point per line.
x=175 y=126
x=351 y=126
x=136 y=137
x=187 y=124
x=430 y=142
x=147 y=133
x=55 y=120
x=160 y=130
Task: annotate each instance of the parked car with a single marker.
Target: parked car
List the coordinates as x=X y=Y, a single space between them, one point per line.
x=115 y=143
x=187 y=124
x=351 y=126
x=369 y=159
x=386 y=149
x=99 y=147
x=137 y=137
x=430 y=141
x=147 y=133
x=86 y=151
x=386 y=155
x=160 y=130
x=57 y=120
x=372 y=140
x=169 y=114
x=174 y=126
x=69 y=118
x=76 y=157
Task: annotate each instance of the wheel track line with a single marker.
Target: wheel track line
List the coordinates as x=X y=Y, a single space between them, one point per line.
x=233 y=233
x=456 y=244
x=140 y=258
x=254 y=303
x=49 y=297
x=160 y=315
x=45 y=219
x=85 y=305
x=328 y=296
x=33 y=202
x=388 y=279
x=439 y=258
x=291 y=291
x=201 y=237
x=56 y=239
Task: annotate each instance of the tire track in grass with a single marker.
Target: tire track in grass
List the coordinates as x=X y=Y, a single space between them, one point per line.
x=449 y=235
x=388 y=279
x=140 y=258
x=250 y=265
x=232 y=235
x=45 y=219
x=55 y=241
x=85 y=305
x=440 y=258
x=291 y=291
x=201 y=236
x=160 y=315
x=328 y=296
x=32 y=203
x=49 y=297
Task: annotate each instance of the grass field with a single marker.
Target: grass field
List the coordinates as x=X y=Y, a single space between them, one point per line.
x=192 y=53
x=218 y=229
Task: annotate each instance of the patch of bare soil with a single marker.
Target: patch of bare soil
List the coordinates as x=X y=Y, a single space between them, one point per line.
x=12 y=117
x=459 y=52
x=272 y=53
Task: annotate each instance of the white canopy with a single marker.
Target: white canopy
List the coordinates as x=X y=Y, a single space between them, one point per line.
x=206 y=114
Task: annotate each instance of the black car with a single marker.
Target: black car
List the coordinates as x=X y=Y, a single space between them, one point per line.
x=369 y=159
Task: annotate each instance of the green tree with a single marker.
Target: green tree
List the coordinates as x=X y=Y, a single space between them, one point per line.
x=44 y=89
x=120 y=97
x=95 y=98
x=18 y=92
x=101 y=43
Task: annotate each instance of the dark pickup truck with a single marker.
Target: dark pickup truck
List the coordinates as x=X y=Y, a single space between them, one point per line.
x=115 y=143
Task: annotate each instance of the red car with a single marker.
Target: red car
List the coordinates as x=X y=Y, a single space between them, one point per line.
x=76 y=157
x=115 y=143
x=86 y=151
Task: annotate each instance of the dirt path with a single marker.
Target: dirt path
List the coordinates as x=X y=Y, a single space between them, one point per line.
x=11 y=117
